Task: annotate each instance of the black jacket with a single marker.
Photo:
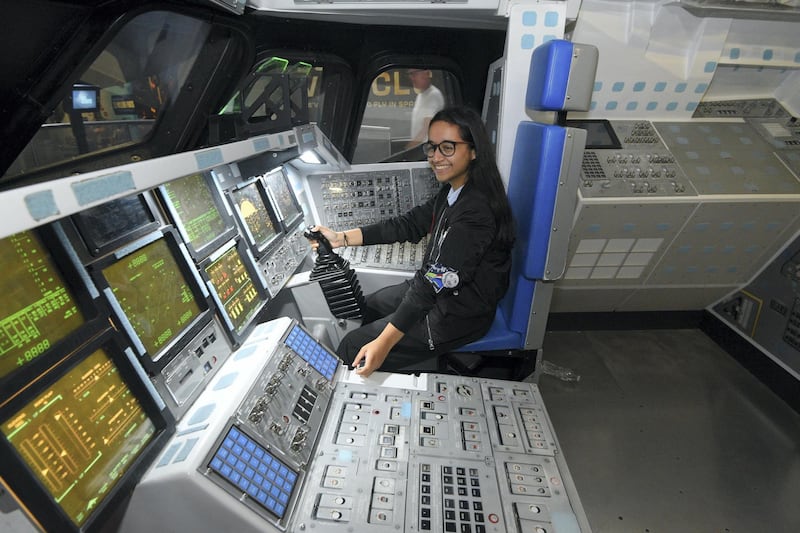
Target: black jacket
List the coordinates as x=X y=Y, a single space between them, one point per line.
x=464 y=273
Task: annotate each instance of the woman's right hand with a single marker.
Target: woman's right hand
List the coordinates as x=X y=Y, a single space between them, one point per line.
x=336 y=238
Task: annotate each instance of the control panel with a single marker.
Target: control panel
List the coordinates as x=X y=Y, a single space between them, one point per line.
x=364 y=196
x=461 y=454
x=767 y=310
x=399 y=256
x=744 y=108
x=643 y=166
x=286 y=403
x=279 y=265
x=187 y=371
x=285 y=439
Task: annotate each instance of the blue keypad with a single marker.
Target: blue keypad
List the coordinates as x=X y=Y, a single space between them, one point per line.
x=254 y=471
x=312 y=352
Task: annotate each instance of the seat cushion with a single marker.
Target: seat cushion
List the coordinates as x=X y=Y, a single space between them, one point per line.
x=499 y=337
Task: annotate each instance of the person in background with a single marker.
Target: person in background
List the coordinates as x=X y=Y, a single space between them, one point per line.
x=451 y=299
x=429 y=100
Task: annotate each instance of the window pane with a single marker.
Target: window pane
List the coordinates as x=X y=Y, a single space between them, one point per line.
x=121 y=96
x=265 y=100
x=402 y=100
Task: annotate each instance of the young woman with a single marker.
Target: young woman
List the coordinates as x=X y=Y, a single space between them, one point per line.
x=452 y=298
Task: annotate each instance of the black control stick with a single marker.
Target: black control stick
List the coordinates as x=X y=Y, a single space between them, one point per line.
x=338 y=281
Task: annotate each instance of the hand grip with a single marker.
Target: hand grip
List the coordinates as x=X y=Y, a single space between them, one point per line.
x=325 y=247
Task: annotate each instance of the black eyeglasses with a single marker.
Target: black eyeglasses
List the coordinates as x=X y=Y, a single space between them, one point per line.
x=446 y=148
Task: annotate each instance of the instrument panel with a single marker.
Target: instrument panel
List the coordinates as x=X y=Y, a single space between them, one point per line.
x=286 y=439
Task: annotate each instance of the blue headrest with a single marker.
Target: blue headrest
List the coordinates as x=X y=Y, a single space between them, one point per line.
x=561 y=76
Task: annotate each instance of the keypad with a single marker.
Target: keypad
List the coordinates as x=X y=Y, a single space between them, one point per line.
x=312 y=352
x=252 y=469
x=461 y=504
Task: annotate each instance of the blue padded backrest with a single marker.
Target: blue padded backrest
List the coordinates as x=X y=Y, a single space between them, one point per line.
x=532 y=187
x=548 y=77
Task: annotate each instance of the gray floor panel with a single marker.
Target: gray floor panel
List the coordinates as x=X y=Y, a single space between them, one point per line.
x=665 y=432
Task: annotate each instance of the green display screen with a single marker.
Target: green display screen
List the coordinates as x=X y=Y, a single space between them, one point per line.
x=81 y=435
x=234 y=287
x=154 y=295
x=36 y=309
x=251 y=206
x=196 y=210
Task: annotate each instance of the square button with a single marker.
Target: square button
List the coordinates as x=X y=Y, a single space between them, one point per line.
x=425 y=525
x=449 y=503
x=425 y=512
x=450 y=515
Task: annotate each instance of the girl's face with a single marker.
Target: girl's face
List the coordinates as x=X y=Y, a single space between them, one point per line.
x=452 y=168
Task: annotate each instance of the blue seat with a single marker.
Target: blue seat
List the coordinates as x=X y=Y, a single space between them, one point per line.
x=542 y=192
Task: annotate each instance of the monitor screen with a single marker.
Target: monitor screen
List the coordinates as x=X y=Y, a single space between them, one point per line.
x=599 y=133
x=37 y=309
x=155 y=295
x=279 y=188
x=234 y=287
x=196 y=207
x=85 y=98
x=250 y=202
x=108 y=225
x=81 y=435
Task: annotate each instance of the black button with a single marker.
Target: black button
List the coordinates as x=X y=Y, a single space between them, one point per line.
x=478 y=506
x=426 y=500
x=475 y=482
x=426 y=512
x=447 y=469
x=463 y=491
x=450 y=526
x=460 y=471
x=476 y=493
x=448 y=479
x=462 y=481
x=425 y=524
x=466 y=528
x=449 y=515
x=463 y=504
x=479 y=517
x=426 y=478
x=449 y=503
x=448 y=490
x=464 y=516
x=426 y=489
x=480 y=528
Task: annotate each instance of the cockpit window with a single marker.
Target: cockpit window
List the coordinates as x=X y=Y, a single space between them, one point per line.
x=287 y=90
x=119 y=99
x=401 y=103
